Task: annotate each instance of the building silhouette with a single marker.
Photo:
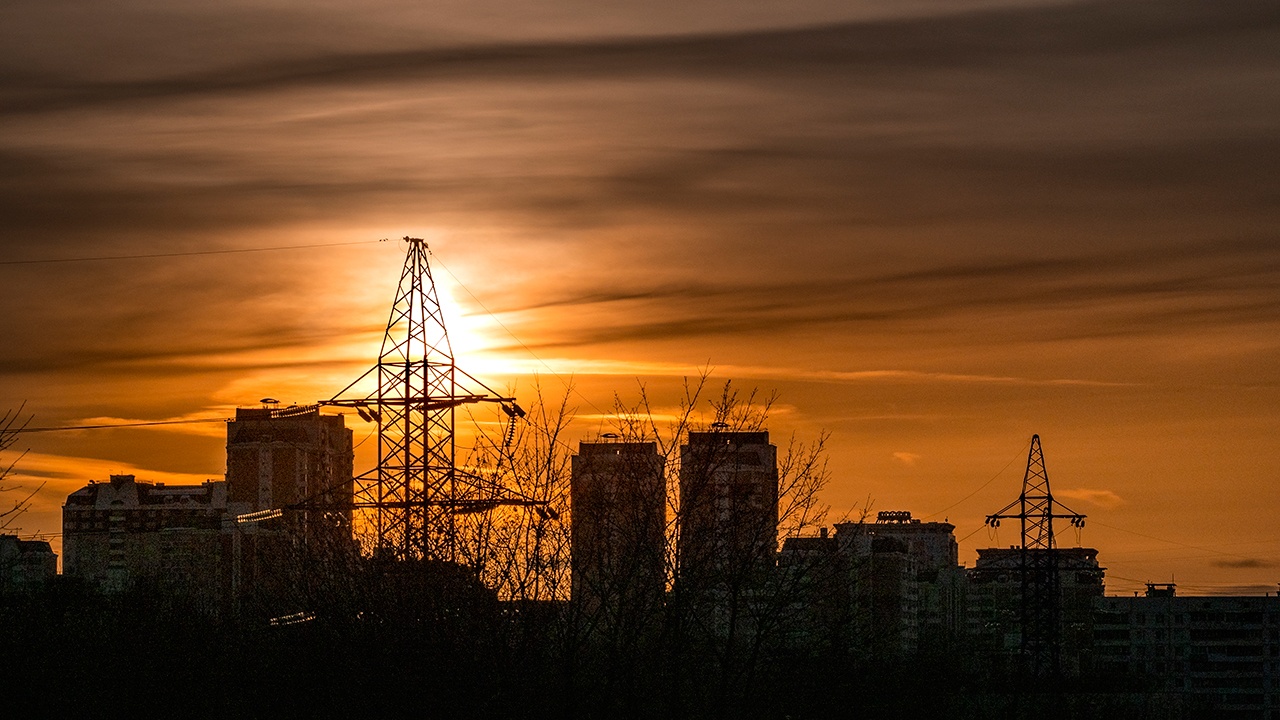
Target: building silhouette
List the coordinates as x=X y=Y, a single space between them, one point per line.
x=186 y=540
x=618 y=535
x=25 y=565
x=728 y=534
x=883 y=589
x=125 y=532
x=907 y=581
x=294 y=458
x=995 y=603
x=1219 y=651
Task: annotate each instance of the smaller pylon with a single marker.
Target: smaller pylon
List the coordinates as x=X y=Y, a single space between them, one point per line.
x=1041 y=602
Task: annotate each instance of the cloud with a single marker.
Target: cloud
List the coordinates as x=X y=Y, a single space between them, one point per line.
x=975 y=39
x=906 y=458
x=1244 y=563
x=1101 y=498
x=1126 y=290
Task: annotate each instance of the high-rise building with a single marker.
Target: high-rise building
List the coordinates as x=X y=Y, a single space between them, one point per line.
x=728 y=534
x=281 y=457
x=618 y=525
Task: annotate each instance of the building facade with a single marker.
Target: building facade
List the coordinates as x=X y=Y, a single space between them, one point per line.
x=125 y=532
x=283 y=457
x=26 y=565
x=618 y=534
x=728 y=534
x=1220 y=652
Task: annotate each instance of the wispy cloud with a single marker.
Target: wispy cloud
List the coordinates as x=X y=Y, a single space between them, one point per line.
x=906 y=458
x=1102 y=498
x=1243 y=563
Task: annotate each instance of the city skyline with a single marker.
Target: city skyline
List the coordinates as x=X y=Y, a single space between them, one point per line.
x=933 y=233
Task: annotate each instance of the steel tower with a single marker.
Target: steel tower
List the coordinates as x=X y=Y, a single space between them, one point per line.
x=1041 y=601
x=414 y=495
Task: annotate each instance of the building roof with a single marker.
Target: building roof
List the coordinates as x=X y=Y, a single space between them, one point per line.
x=127 y=491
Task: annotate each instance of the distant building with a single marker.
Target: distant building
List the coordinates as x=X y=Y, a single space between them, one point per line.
x=819 y=616
x=907 y=582
x=25 y=565
x=125 y=532
x=278 y=457
x=994 y=603
x=1222 y=652
x=728 y=537
x=882 y=590
x=618 y=525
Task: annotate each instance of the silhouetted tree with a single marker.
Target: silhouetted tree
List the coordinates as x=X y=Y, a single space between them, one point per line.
x=11 y=425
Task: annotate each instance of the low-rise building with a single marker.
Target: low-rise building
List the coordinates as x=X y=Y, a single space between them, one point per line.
x=886 y=589
x=1221 y=652
x=25 y=565
x=124 y=532
x=995 y=600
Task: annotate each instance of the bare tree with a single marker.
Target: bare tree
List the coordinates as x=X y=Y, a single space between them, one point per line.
x=602 y=627
x=11 y=425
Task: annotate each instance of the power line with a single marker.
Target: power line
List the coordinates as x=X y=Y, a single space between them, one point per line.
x=975 y=532
x=980 y=489
x=121 y=425
x=1172 y=542
x=227 y=251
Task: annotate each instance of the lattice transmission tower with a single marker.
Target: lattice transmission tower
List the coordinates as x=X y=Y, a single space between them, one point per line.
x=413 y=497
x=1038 y=561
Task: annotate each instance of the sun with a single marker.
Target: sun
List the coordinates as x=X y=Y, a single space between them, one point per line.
x=477 y=337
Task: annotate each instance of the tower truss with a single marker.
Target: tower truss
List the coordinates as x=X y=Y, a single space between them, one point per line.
x=412 y=498
x=1041 y=591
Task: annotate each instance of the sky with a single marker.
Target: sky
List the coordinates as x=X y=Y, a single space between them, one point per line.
x=932 y=228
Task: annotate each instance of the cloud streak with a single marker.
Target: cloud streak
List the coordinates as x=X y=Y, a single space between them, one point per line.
x=1101 y=498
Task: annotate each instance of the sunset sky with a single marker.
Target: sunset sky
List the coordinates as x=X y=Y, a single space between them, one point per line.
x=933 y=227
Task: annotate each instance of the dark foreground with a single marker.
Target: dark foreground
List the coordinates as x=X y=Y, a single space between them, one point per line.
x=69 y=652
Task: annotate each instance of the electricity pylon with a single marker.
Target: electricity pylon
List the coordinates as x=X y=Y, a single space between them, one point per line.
x=1041 y=602
x=416 y=492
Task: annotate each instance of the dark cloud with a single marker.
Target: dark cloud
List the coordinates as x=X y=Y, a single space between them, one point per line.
x=1244 y=563
x=1216 y=284
x=980 y=39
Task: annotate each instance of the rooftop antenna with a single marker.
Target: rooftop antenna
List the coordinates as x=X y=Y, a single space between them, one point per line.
x=416 y=492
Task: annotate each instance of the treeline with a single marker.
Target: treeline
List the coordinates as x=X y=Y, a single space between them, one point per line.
x=444 y=651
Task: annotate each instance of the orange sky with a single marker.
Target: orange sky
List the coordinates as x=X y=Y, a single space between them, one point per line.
x=934 y=227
